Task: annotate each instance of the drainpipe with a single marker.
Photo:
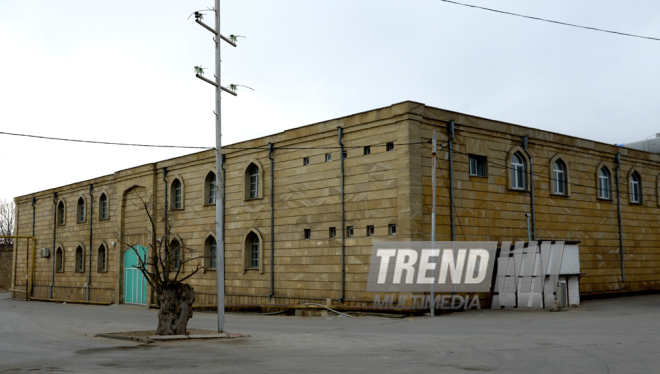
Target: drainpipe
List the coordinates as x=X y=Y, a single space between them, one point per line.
x=450 y=129
x=272 y=222
x=165 y=215
x=618 y=204
x=34 y=213
x=343 y=236
x=52 y=275
x=531 y=185
x=91 y=218
x=224 y=159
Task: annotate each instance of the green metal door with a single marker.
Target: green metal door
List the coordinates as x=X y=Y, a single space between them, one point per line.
x=135 y=284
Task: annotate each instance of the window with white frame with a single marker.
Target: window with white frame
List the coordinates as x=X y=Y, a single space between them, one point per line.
x=635 y=188
x=211 y=188
x=349 y=231
x=177 y=194
x=80 y=260
x=305 y=161
x=559 y=177
x=477 y=166
x=392 y=229
x=252 y=248
x=517 y=172
x=211 y=247
x=604 y=183
x=80 y=210
x=253 y=181
x=328 y=157
x=101 y=258
x=370 y=231
x=103 y=202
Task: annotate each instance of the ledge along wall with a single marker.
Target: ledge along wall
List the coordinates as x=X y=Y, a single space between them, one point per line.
x=381 y=188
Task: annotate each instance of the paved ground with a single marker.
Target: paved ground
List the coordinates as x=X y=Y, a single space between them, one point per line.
x=604 y=336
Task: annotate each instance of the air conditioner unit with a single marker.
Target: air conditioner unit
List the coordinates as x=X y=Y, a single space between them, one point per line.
x=45 y=252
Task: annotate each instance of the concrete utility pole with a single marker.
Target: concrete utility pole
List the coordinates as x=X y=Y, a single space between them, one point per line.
x=219 y=218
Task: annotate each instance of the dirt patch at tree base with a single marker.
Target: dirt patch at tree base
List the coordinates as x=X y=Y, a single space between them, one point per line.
x=150 y=336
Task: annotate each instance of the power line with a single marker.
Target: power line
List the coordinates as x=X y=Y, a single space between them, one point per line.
x=186 y=147
x=551 y=21
x=97 y=142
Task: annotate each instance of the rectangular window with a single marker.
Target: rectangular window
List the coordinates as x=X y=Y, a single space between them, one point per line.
x=392 y=229
x=367 y=150
x=177 y=197
x=344 y=154
x=81 y=213
x=254 y=255
x=478 y=166
x=349 y=231
x=104 y=208
x=328 y=157
x=254 y=184
x=333 y=232
x=389 y=147
x=308 y=234
x=212 y=253
x=305 y=161
x=370 y=231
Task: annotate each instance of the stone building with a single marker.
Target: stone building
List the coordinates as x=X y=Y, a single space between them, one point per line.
x=387 y=196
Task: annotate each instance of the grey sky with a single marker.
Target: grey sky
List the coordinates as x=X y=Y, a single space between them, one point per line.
x=122 y=71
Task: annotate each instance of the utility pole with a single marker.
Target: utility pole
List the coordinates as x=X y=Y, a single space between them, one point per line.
x=219 y=218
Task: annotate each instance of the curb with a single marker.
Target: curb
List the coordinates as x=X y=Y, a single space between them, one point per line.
x=124 y=337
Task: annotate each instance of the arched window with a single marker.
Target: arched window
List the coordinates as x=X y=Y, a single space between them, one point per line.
x=604 y=183
x=60 y=213
x=59 y=259
x=559 y=177
x=517 y=171
x=177 y=194
x=80 y=210
x=211 y=190
x=252 y=182
x=635 y=188
x=175 y=252
x=101 y=259
x=252 y=251
x=80 y=260
x=211 y=252
x=103 y=206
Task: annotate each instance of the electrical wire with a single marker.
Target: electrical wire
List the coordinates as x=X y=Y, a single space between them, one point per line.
x=551 y=21
x=97 y=142
x=187 y=147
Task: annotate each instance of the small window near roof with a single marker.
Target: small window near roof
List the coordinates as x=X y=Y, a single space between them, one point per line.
x=328 y=157
x=370 y=231
x=559 y=177
x=333 y=232
x=517 y=172
x=307 y=234
x=392 y=229
x=306 y=161
x=344 y=154
x=211 y=188
x=349 y=231
x=367 y=150
x=635 y=188
x=389 y=147
x=477 y=166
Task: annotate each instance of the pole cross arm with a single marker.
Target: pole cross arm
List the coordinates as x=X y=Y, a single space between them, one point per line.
x=216 y=84
x=215 y=32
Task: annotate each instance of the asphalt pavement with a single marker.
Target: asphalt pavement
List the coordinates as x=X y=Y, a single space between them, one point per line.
x=620 y=335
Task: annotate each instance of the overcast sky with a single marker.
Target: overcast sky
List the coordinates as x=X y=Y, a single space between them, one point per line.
x=122 y=71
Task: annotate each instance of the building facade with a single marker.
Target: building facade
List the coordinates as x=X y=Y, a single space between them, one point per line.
x=578 y=188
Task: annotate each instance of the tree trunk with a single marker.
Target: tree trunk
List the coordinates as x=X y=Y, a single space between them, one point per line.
x=175 y=309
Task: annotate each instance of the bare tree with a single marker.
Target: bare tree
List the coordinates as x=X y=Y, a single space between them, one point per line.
x=7 y=210
x=162 y=269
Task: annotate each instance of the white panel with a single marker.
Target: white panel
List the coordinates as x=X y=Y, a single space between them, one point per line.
x=570 y=262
